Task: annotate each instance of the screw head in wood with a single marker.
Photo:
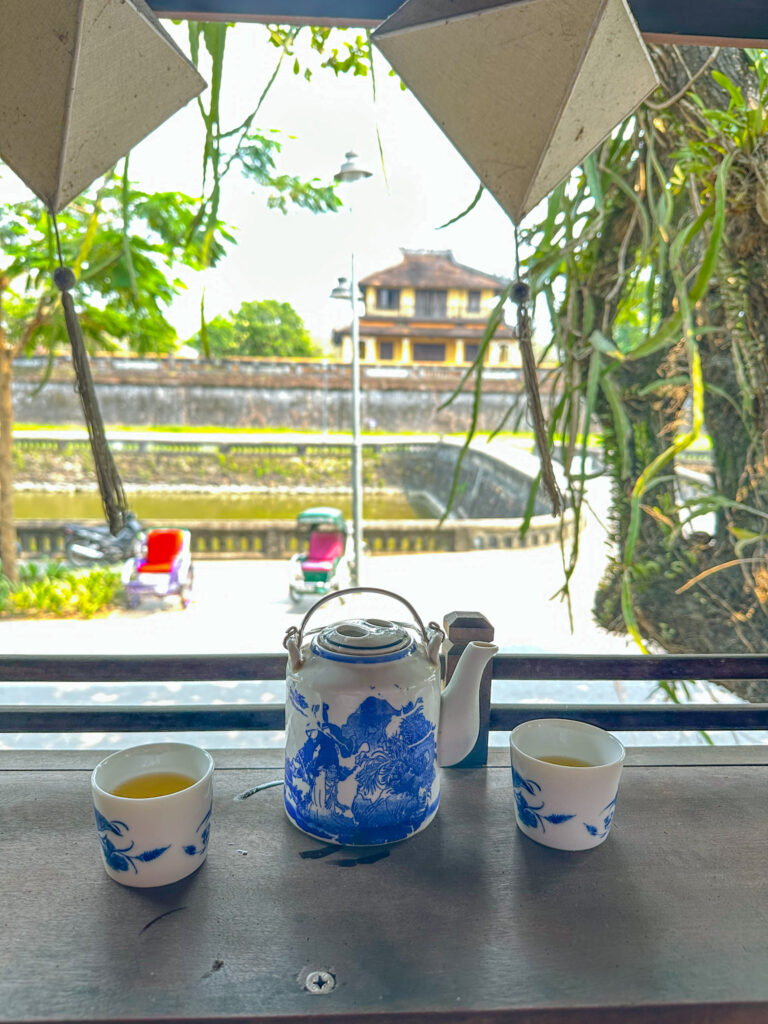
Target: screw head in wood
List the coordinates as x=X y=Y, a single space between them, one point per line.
x=319 y=983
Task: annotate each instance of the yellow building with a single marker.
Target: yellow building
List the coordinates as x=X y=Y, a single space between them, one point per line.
x=429 y=309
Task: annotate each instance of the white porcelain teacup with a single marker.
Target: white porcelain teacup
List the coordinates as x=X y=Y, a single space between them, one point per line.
x=565 y=776
x=153 y=807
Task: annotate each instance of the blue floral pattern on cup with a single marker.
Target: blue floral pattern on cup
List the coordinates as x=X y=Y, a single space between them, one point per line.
x=529 y=813
x=120 y=858
x=601 y=831
x=205 y=825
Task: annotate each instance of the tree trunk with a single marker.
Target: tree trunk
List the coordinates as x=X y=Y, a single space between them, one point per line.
x=7 y=523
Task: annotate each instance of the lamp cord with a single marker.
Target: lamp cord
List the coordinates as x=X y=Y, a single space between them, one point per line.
x=110 y=485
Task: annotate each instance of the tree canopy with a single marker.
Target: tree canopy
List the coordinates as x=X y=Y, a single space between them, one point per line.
x=123 y=245
x=267 y=328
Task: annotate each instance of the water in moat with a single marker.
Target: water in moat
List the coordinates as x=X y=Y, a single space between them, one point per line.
x=154 y=505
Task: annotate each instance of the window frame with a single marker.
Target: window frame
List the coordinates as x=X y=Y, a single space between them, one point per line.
x=388 y=299
x=429 y=346
x=431 y=303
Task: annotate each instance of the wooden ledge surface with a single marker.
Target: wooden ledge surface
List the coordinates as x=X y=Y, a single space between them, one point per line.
x=467 y=922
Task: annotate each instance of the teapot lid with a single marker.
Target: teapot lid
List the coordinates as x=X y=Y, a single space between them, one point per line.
x=363 y=640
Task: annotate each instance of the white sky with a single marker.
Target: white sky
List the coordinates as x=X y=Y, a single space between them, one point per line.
x=299 y=256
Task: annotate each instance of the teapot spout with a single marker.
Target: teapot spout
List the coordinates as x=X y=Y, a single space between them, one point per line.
x=459 y=703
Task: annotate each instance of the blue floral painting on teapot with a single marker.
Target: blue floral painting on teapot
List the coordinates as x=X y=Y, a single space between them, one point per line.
x=366 y=781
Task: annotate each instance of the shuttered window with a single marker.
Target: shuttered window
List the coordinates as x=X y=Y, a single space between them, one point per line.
x=431 y=304
x=428 y=353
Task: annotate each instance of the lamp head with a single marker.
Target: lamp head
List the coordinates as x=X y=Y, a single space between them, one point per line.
x=351 y=170
x=341 y=291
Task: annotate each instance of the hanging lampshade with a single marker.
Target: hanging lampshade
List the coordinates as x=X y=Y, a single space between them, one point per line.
x=523 y=89
x=81 y=82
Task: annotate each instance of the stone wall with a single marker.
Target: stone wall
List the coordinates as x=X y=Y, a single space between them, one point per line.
x=311 y=396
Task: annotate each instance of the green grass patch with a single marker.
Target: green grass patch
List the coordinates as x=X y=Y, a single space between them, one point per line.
x=54 y=591
x=175 y=428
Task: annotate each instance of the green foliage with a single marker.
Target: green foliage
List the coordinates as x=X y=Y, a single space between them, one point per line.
x=256 y=155
x=123 y=245
x=353 y=55
x=268 y=328
x=54 y=591
x=254 y=151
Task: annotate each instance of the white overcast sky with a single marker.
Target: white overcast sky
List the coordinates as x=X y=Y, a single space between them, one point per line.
x=298 y=257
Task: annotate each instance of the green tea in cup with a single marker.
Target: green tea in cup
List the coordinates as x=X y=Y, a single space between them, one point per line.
x=152 y=784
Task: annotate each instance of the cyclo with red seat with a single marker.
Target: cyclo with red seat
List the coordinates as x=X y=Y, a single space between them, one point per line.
x=164 y=567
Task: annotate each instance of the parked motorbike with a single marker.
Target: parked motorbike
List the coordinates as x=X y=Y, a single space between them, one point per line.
x=88 y=545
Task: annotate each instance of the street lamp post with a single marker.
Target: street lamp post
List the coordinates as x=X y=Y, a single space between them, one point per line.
x=357 y=444
x=349 y=172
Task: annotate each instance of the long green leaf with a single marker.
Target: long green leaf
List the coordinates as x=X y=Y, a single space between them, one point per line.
x=591 y=173
x=476 y=366
x=472 y=205
x=622 y=424
x=637 y=201
x=379 y=143
x=737 y=96
x=554 y=205
x=599 y=341
x=530 y=504
x=593 y=382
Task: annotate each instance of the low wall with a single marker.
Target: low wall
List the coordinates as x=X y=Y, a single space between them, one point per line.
x=277 y=539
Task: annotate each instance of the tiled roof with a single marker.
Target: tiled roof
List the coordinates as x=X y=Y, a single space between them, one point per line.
x=433 y=270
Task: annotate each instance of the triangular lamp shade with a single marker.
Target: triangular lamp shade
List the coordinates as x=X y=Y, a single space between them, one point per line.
x=525 y=90
x=81 y=82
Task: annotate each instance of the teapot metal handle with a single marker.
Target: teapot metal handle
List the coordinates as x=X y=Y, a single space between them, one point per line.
x=296 y=635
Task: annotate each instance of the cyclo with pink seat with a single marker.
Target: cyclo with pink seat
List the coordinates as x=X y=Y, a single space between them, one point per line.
x=326 y=564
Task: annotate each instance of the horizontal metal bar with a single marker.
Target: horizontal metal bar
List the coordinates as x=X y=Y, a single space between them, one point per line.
x=639 y=717
x=620 y=717
x=142 y=718
x=630 y=666
x=131 y=668
x=193 y=667
x=211 y=668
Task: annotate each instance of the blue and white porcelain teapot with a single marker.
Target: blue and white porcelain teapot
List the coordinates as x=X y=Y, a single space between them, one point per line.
x=367 y=725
